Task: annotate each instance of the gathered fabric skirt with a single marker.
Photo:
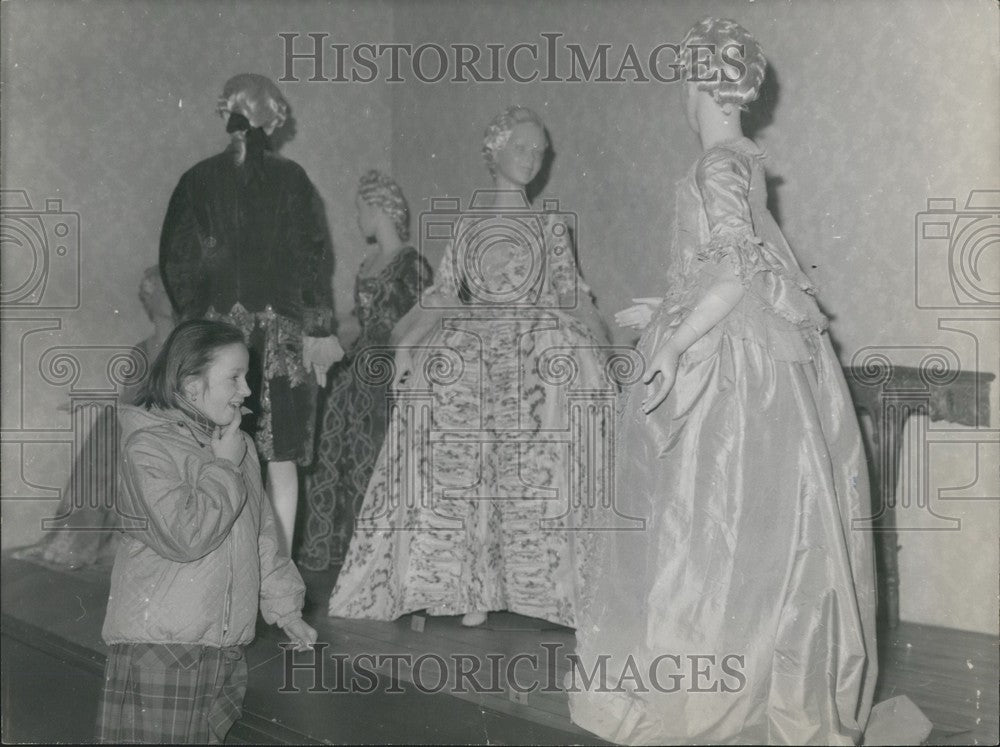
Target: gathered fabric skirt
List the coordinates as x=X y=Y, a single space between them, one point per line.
x=475 y=502
x=744 y=611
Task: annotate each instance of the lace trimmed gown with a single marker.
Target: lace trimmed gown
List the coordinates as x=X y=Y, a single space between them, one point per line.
x=353 y=423
x=471 y=505
x=744 y=612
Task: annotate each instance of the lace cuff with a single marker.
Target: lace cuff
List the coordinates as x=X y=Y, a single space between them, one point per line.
x=742 y=250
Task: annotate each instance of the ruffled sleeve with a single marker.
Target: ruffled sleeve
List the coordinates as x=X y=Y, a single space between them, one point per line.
x=723 y=178
x=732 y=243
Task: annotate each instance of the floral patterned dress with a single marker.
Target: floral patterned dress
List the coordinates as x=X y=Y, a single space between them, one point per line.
x=354 y=413
x=480 y=484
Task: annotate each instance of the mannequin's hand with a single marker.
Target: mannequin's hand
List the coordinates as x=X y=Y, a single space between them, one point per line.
x=301 y=633
x=663 y=362
x=348 y=331
x=319 y=353
x=405 y=367
x=638 y=316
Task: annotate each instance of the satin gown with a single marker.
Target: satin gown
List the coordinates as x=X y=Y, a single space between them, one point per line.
x=744 y=612
x=472 y=504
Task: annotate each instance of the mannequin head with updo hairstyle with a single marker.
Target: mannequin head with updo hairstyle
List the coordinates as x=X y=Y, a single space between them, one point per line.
x=381 y=191
x=499 y=130
x=713 y=52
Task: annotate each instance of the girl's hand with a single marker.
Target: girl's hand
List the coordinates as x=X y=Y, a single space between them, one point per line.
x=301 y=633
x=638 y=316
x=228 y=443
x=663 y=362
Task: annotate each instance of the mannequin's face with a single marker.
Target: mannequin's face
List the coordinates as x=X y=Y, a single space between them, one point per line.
x=366 y=217
x=520 y=159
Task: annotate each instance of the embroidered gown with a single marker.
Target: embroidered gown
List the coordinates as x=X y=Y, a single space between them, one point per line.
x=749 y=475
x=470 y=506
x=354 y=413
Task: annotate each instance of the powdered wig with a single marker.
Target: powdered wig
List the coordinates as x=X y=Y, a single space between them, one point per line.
x=253 y=108
x=377 y=189
x=721 y=57
x=188 y=351
x=257 y=98
x=498 y=133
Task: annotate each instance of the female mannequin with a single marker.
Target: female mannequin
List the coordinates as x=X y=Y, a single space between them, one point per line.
x=744 y=612
x=354 y=413
x=470 y=507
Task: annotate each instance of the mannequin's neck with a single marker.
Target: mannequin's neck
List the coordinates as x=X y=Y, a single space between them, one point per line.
x=508 y=194
x=719 y=127
x=387 y=238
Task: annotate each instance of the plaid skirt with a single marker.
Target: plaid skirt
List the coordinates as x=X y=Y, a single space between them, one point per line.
x=171 y=693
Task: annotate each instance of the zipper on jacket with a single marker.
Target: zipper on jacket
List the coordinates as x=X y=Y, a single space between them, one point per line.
x=229 y=590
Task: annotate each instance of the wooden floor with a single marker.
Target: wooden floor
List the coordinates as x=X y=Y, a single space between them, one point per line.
x=952 y=676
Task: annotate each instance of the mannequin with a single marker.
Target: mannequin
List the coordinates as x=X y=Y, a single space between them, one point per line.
x=470 y=507
x=245 y=241
x=354 y=417
x=741 y=452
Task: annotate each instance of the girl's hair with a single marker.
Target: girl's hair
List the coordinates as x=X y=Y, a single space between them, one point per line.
x=188 y=351
x=725 y=52
x=380 y=190
x=498 y=132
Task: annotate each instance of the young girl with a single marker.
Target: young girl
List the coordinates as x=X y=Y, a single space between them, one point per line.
x=745 y=610
x=185 y=589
